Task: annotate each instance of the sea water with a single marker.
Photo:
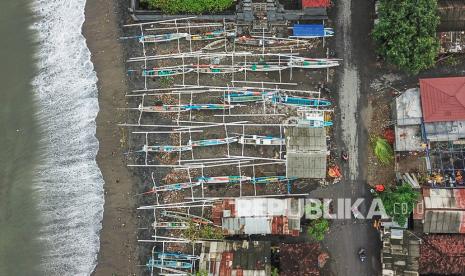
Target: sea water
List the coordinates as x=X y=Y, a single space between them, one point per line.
x=70 y=185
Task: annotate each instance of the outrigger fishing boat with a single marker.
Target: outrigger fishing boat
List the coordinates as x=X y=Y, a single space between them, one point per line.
x=270 y=42
x=215 y=45
x=212 y=142
x=271 y=179
x=261 y=140
x=247 y=96
x=162 y=37
x=313 y=63
x=166 y=72
x=299 y=101
x=184 y=107
x=172 y=187
x=170 y=224
x=217 y=69
x=211 y=35
x=168 y=264
x=186 y=217
x=224 y=179
x=168 y=149
x=176 y=256
x=263 y=67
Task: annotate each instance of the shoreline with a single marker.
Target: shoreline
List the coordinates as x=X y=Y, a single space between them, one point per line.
x=118 y=246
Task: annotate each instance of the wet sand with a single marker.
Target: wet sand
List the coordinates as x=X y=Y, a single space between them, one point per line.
x=118 y=255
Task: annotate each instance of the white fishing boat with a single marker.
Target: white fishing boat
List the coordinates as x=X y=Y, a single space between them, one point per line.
x=162 y=37
x=261 y=140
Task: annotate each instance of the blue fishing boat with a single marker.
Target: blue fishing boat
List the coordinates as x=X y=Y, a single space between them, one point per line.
x=212 y=142
x=175 y=256
x=168 y=264
x=300 y=101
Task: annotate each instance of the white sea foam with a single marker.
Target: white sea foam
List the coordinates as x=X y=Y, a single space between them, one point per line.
x=70 y=183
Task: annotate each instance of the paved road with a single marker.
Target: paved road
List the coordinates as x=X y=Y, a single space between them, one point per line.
x=347 y=236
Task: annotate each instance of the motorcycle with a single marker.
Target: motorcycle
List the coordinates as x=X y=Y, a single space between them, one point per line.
x=362 y=254
x=344 y=156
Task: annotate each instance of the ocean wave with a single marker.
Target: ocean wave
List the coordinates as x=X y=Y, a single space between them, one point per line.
x=70 y=182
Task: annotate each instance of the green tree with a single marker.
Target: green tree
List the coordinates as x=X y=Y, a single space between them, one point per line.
x=189 y=6
x=383 y=150
x=318 y=228
x=399 y=202
x=406 y=33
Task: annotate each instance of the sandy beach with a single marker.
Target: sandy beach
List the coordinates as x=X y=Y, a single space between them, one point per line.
x=117 y=254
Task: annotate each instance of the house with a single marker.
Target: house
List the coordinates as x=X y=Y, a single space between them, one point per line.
x=400 y=253
x=247 y=258
x=442 y=255
x=441 y=210
x=306 y=152
x=259 y=216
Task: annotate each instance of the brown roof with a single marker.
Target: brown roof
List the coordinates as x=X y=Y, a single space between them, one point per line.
x=443 y=254
x=299 y=259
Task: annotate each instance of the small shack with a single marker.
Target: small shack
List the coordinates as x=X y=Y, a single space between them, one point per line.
x=259 y=216
x=247 y=258
x=306 y=152
x=408 y=118
x=441 y=210
x=400 y=253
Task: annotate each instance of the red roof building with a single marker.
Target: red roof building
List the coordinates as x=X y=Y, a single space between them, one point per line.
x=443 y=99
x=315 y=3
x=442 y=254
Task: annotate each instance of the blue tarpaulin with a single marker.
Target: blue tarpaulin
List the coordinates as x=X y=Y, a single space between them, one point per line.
x=308 y=30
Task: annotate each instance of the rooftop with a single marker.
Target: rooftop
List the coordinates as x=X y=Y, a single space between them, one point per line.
x=306 y=152
x=400 y=253
x=236 y=258
x=443 y=99
x=443 y=211
x=443 y=254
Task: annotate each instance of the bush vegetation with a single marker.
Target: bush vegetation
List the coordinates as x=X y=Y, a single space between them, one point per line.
x=195 y=232
x=383 y=150
x=189 y=6
x=406 y=33
x=399 y=202
x=318 y=229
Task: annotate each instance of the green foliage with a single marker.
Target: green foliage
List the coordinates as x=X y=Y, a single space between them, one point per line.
x=274 y=272
x=200 y=273
x=195 y=232
x=318 y=228
x=383 y=150
x=406 y=33
x=399 y=202
x=189 y=6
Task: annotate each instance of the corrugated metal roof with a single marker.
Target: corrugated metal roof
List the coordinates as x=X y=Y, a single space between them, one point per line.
x=444 y=221
x=305 y=165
